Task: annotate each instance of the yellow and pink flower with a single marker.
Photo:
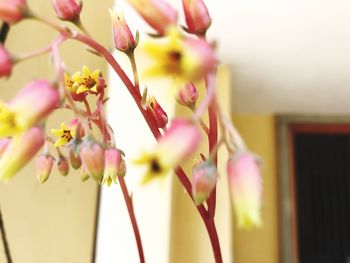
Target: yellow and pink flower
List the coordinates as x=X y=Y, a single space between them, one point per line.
x=44 y=164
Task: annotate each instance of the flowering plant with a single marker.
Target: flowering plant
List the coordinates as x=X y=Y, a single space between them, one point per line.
x=182 y=53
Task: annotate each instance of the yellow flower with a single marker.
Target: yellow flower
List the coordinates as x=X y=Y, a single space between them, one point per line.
x=65 y=134
x=183 y=58
x=87 y=81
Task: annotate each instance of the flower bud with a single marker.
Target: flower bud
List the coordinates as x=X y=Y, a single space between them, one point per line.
x=245 y=185
x=44 y=165
x=92 y=155
x=204 y=179
x=75 y=160
x=196 y=16
x=5 y=62
x=12 y=11
x=63 y=165
x=112 y=163
x=68 y=10
x=123 y=38
x=157 y=13
x=20 y=151
x=157 y=111
x=4 y=143
x=187 y=95
x=84 y=174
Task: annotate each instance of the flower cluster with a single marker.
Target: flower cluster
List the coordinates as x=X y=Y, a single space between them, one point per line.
x=182 y=53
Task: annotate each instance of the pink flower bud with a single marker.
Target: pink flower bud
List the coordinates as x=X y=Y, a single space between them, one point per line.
x=157 y=13
x=187 y=95
x=204 y=179
x=12 y=11
x=5 y=62
x=246 y=188
x=157 y=111
x=20 y=151
x=112 y=162
x=44 y=165
x=68 y=10
x=4 y=143
x=63 y=165
x=92 y=155
x=197 y=16
x=75 y=160
x=123 y=38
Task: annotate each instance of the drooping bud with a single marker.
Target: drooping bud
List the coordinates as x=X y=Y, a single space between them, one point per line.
x=5 y=62
x=246 y=189
x=63 y=165
x=84 y=173
x=204 y=180
x=178 y=143
x=187 y=95
x=20 y=151
x=12 y=11
x=68 y=10
x=93 y=157
x=4 y=143
x=157 y=13
x=157 y=111
x=33 y=103
x=112 y=163
x=75 y=160
x=196 y=16
x=44 y=165
x=123 y=38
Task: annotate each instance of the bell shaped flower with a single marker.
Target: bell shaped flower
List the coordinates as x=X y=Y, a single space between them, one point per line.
x=12 y=11
x=44 y=164
x=245 y=186
x=157 y=111
x=196 y=16
x=63 y=165
x=68 y=10
x=187 y=95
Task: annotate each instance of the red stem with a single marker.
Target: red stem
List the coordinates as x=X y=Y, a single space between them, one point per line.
x=130 y=206
x=209 y=223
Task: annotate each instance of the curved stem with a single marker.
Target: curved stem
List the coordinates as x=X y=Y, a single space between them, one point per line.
x=131 y=56
x=4 y=240
x=130 y=207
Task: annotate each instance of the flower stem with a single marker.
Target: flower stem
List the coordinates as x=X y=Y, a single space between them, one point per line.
x=131 y=56
x=4 y=240
x=130 y=207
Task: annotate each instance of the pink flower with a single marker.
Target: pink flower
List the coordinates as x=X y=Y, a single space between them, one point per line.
x=197 y=16
x=157 y=13
x=63 y=165
x=113 y=160
x=157 y=111
x=5 y=62
x=67 y=9
x=178 y=143
x=92 y=155
x=123 y=38
x=204 y=179
x=12 y=11
x=246 y=188
x=188 y=95
x=20 y=151
x=32 y=104
x=75 y=160
x=44 y=165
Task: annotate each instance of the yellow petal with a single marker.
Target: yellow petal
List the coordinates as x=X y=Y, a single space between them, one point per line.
x=57 y=132
x=86 y=71
x=82 y=89
x=95 y=75
x=60 y=142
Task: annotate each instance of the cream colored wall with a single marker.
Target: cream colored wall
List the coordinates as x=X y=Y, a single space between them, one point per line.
x=53 y=222
x=260 y=245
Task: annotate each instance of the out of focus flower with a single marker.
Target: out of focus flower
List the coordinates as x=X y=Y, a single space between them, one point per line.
x=185 y=59
x=87 y=81
x=44 y=165
x=204 y=177
x=178 y=143
x=187 y=95
x=92 y=155
x=65 y=134
x=72 y=88
x=4 y=143
x=196 y=16
x=113 y=160
x=123 y=38
x=157 y=13
x=68 y=10
x=12 y=11
x=84 y=173
x=74 y=159
x=246 y=189
x=5 y=62
x=63 y=165
x=157 y=111
x=20 y=151
x=32 y=104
